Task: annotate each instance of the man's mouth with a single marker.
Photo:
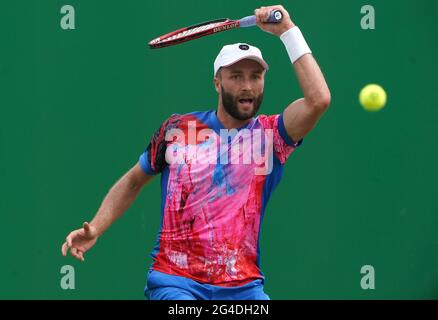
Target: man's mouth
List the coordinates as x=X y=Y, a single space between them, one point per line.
x=246 y=102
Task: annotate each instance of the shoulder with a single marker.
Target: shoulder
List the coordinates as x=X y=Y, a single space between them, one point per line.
x=268 y=121
x=201 y=119
x=195 y=115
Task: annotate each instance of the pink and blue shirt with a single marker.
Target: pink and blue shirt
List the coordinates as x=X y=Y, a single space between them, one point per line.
x=212 y=211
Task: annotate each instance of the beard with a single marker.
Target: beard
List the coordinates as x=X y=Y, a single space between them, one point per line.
x=230 y=103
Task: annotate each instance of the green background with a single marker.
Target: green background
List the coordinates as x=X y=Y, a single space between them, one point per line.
x=79 y=106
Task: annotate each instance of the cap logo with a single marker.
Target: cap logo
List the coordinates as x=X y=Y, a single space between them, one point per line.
x=244 y=47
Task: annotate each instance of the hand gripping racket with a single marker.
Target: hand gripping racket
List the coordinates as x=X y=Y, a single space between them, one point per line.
x=208 y=28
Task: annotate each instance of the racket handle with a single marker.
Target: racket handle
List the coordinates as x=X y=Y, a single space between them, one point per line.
x=274 y=17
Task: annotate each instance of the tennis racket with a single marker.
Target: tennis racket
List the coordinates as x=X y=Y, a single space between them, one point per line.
x=208 y=28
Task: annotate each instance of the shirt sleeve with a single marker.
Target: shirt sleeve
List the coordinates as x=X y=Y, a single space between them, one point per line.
x=283 y=144
x=153 y=159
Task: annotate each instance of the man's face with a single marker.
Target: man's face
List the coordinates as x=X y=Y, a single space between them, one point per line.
x=241 y=88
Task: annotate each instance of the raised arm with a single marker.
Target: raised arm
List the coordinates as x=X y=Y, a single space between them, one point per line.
x=301 y=115
x=116 y=202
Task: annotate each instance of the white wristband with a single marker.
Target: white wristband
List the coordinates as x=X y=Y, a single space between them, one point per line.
x=295 y=43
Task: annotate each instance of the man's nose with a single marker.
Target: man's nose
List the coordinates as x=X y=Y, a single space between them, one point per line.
x=246 y=85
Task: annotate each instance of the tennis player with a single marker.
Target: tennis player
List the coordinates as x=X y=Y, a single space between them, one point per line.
x=211 y=211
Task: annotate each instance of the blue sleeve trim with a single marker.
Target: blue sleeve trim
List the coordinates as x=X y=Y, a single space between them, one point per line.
x=145 y=165
x=285 y=136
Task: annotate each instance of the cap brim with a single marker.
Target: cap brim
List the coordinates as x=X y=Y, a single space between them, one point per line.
x=250 y=57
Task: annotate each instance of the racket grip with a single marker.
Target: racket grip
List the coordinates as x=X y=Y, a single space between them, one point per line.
x=274 y=17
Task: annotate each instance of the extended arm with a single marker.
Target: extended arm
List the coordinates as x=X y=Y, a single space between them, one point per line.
x=119 y=198
x=116 y=202
x=301 y=115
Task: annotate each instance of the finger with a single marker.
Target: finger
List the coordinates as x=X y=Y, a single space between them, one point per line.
x=259 y=15
x=266 y=14
x=74 y=253
x=64 y=249
x=68 y=240
x=90 y=230
x=81 y=255
x=257 y=19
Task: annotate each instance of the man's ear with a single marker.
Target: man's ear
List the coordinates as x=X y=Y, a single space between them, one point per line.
x=217 y=84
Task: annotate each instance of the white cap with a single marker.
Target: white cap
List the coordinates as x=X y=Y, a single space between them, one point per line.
x=233 y=53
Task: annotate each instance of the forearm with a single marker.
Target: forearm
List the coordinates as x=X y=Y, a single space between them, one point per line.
x=312 y=82
x=310 y=77
x=116 y=202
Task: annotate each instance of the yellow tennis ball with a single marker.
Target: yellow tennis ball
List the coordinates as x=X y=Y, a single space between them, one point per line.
x=373 y=98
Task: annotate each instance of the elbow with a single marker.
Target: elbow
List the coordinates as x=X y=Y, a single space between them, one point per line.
x=321 y=102
x=326 y=100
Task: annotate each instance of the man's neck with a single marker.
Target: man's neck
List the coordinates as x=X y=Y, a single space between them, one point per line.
x=228 y=121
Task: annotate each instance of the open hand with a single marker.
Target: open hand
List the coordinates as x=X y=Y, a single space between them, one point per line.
x=80 y=241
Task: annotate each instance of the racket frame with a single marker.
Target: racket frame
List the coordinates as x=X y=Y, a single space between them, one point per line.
x=224 y=24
